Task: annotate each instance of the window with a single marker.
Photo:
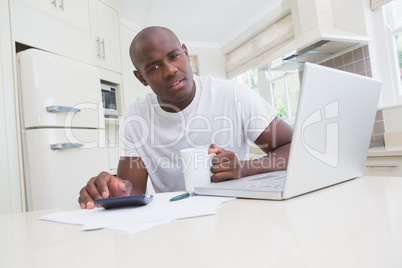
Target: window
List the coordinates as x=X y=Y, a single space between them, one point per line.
x=394 y=23
x=194 y=64
x=279 y=88
x=284 y=89
x=249 y=78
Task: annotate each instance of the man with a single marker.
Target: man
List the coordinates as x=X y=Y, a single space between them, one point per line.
x=187 y=111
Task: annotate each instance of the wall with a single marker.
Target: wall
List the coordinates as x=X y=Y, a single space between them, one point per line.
x=387 y=130
x=210 y=60
x=358 y=61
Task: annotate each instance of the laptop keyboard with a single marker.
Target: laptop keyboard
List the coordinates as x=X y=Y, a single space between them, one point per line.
x=272 y=183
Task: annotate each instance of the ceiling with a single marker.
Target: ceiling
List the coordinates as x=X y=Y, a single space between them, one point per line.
x=219 y=23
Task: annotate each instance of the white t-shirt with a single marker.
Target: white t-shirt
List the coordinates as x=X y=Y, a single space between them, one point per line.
x=223 y=112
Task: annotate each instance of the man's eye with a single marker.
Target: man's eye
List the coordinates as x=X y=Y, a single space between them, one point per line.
x=174 y=56
x=153 y=68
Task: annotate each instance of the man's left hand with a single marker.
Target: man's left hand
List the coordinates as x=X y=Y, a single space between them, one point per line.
x=225 y=165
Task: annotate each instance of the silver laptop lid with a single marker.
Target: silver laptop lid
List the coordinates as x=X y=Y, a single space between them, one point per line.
x=333 y=126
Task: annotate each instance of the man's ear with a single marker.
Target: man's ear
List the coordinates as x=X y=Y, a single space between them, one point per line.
x=183 y=46
x=140 y=77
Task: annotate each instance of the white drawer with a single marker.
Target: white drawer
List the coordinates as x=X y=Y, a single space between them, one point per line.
x=384 y=166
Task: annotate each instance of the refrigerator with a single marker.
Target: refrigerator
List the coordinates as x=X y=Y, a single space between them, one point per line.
x=63 y=127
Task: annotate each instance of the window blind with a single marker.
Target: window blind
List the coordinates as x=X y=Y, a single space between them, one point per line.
x=194 y=64
x=252 y=53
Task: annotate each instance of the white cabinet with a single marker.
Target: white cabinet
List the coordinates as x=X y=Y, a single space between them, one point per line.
x=47 y=6
x=132 y=89
x=75 y=12
x=384 y=166
x=62 y=30
x=105 y=36
x=129 y=86
x=11 y=197
x=384 y=162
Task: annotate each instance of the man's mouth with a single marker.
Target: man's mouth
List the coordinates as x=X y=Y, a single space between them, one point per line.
x=176 y=84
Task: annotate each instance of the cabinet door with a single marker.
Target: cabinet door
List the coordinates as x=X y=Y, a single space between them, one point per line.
x=384 y=166
x=48 y=6
x=132 y=89
x=106 y=43
x=130 y=86
x=11 y=198
x=75 y=12
x=46 y=32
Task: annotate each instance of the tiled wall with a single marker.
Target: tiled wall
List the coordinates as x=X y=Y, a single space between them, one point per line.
x=377 y=137
x=358 y=61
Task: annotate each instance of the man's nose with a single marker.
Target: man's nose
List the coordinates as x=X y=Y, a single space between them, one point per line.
x=170 y=70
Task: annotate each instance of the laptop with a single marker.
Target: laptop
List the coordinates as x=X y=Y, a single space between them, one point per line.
x=331 y=138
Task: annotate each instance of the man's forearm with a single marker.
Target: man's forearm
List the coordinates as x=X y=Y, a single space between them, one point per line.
x=274 y=161
x=133 y=170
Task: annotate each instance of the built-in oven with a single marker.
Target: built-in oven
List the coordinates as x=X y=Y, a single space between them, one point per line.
x=109 y=98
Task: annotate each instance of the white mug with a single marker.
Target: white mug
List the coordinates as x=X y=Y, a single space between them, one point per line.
x=196 y=167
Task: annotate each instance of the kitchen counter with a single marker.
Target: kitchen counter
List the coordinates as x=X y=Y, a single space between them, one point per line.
x=384 y=151
x=352 y=224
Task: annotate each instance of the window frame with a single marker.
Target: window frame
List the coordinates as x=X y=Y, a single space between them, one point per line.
x=290 y=120
x=390 y=33
x=249 y=78
x=264 y=87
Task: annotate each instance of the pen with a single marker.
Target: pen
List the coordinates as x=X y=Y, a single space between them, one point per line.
x=180 y=197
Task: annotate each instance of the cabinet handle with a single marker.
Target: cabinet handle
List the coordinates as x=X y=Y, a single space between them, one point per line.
x=62 y=4
x=54 y=3
x=103 y=45
x=56 y=109
x=62 y=146
x=382 y=165
x=98 y=41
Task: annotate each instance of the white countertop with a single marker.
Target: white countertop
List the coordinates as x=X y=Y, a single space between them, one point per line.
x=384 y=151
x=353 y=224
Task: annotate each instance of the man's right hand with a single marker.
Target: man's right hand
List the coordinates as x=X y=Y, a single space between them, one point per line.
x=102 y=186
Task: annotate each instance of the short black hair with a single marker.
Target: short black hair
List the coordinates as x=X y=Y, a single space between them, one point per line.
x=144 y=34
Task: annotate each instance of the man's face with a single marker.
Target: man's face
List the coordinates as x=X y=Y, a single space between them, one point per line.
x=164 y=65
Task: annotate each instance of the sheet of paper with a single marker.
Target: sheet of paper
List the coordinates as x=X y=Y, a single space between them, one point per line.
x=131 y=220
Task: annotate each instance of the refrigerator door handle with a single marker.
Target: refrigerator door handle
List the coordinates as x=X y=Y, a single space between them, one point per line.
x=56 y=109
x=61 y=146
